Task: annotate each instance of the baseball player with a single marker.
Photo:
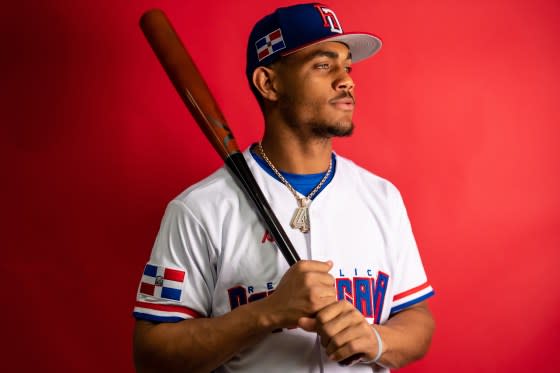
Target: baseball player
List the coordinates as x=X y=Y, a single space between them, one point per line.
x=216 y=293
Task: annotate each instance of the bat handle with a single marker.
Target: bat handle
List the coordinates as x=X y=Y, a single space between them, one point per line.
x=350 y=360
x=237 y=164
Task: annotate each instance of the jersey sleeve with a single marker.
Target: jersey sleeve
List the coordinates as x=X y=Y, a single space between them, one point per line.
x=411 y=283
x=177 y=282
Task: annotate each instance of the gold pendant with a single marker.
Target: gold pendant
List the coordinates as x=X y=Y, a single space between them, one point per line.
x=300 y=220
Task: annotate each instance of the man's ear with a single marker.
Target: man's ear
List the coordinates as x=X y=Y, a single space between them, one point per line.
x=265 y=81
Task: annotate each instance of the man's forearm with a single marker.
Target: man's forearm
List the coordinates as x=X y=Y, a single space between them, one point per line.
x=201 y=345
x=198 y=345
x=406 y=336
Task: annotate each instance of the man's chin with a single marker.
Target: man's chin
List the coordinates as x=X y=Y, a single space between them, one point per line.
x=336 y=130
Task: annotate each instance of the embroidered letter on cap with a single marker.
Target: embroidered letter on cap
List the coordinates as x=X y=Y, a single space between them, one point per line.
x=329 y=19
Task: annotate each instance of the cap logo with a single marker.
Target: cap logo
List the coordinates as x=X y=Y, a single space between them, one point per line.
x=329 y=19
x=270 y=44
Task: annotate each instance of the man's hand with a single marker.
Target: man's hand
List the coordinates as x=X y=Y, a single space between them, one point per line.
x=305 y=288
x=344 y=332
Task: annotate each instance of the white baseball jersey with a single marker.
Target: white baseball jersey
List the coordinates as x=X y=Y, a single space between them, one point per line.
x=212 y=254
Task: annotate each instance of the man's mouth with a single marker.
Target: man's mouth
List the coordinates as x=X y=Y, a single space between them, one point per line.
x=345 y=102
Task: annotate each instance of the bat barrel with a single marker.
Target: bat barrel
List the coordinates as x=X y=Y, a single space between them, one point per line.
x=194 y=92
x=188 y=81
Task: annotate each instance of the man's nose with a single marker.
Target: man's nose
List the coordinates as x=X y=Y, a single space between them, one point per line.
x=344 y=82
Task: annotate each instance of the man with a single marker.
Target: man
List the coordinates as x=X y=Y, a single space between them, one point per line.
x=216 y=293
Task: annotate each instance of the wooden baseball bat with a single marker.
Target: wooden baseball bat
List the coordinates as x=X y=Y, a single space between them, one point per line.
x=194 y=92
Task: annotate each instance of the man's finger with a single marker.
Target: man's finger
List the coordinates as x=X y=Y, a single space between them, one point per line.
x=332 y=311
x=308 y=324
x=314 y=266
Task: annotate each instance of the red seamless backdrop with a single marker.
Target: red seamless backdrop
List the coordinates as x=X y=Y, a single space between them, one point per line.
x=460 y=110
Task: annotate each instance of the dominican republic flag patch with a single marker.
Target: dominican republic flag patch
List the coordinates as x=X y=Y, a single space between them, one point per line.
x=161 y=282
x=270 y=44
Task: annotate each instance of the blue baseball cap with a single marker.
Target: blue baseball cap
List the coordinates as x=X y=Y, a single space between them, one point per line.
x=293 y=28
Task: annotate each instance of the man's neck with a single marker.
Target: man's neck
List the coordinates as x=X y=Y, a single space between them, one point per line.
x=295 y=154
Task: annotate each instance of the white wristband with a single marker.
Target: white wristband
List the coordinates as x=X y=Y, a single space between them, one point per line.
x=379 y=348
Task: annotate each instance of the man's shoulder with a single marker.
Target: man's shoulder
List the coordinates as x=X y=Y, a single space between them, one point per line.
x=218 y=185
x=216 y=192
x=362 y=177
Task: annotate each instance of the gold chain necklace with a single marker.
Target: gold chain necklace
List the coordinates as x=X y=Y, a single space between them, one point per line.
x=300 y=220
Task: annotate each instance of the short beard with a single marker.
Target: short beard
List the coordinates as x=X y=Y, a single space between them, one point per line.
x=325 y=130
x=319 y=129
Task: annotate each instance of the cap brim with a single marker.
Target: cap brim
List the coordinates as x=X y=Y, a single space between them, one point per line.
x=361 y=45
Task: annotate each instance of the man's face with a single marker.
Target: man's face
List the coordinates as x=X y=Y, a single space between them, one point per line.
x=316 y=92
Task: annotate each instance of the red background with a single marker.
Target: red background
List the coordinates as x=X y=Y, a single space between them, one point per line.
x=460 y=110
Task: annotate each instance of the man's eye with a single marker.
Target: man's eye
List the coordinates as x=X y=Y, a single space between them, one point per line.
x=322 y=66
x=348 y=69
